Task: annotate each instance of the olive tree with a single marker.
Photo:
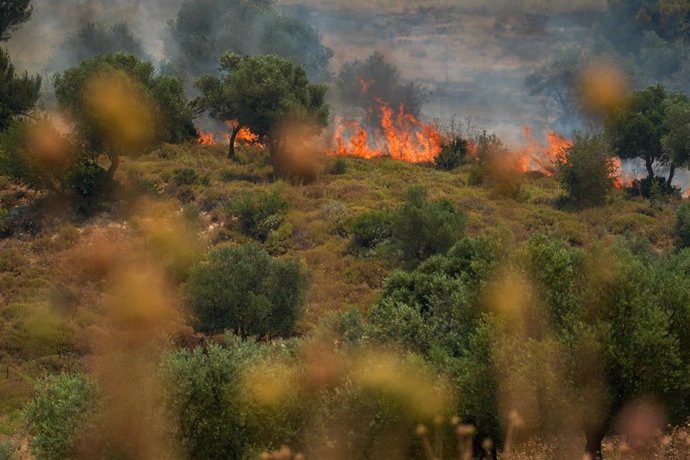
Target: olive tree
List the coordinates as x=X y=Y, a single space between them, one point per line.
x=118 y=106
x=262 y=93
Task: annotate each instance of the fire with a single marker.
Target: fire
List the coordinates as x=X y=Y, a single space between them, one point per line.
x=403 y=137
x=543 y=158
x=244 y=136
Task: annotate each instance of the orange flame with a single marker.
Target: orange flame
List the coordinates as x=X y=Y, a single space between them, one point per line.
x=244 y=136
x=403 y=138
x=542 y=158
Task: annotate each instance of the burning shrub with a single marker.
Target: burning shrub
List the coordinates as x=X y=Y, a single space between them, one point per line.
x=245 y=290
x=259 y=213
x=366 y=83
x=453 y=154
x=422 y=228
x=587 y=172
x=370 y=229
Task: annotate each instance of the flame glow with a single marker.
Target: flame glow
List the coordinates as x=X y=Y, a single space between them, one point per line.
x=542 y=158
x=402 y=137
x=244 y=136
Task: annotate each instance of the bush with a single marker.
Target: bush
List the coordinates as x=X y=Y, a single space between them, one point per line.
x=339 y=167
x=185 y=176
x=422 y=228
x=57 y=414
x=453 y=154
x=587 y=171
x=210 y=402
x=682 y=228
x=259 y=213
x=245 y=290
x=370 y=229
x=7 y=451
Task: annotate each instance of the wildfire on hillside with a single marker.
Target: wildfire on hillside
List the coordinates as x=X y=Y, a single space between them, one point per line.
x=244 y=136
x=402 y=137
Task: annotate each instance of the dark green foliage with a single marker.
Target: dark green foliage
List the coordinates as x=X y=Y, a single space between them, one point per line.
x=339 y=167
x=57 y=414
x=205 y=29
x=13 y=13
x=94 y=39
x=453 y=154
x=370 y=229
x=185 y=176
x=245 y=290
x=7 y=450
x=165 y=115
x=637 y=128
x=422 y=228
x=18 y=93
x=263 y=93
x=209 y=399
x=586 y=171
x=365 y=83
x=433 y=310
x=682 y=229
x=259 y=213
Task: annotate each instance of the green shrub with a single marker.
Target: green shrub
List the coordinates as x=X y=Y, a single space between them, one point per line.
x=682 y=228
x=370 y=229
x=586 y=171
x=453 y=154
x=7 y=450
x=185 y=176
x=207 y=399
x=57 y=414
x=422 y=228
x=245 y=290
x=339 y=167
x=259 y=213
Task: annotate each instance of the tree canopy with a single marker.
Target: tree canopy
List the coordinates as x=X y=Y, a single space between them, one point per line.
x=261 y=93
x=94 y=39
x=205 y=29
x=637 y=128
x=119 y=106
x=13 y=13
x=18 y=93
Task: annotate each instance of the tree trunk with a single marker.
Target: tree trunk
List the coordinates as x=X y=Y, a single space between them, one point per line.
x=594 y=439
x=649 y=163
x=671 y=173
x=233 y=137
x=114 y=164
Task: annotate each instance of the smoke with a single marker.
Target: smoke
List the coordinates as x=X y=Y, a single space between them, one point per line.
x=53 y=21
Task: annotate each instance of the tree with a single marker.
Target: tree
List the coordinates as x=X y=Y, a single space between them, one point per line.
x=118 y=106
x=586 y=170
x=245 y=290
x=18 y=94
x=57 y=414
x=205 y=29
x=366 y=83
x=423 y=228
x=13 y=13
x=262 y=93
x=676 y=141
x=637 y=127
x=94 y=39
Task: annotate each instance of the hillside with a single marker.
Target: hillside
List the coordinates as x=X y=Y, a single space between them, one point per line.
x=178 y=196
